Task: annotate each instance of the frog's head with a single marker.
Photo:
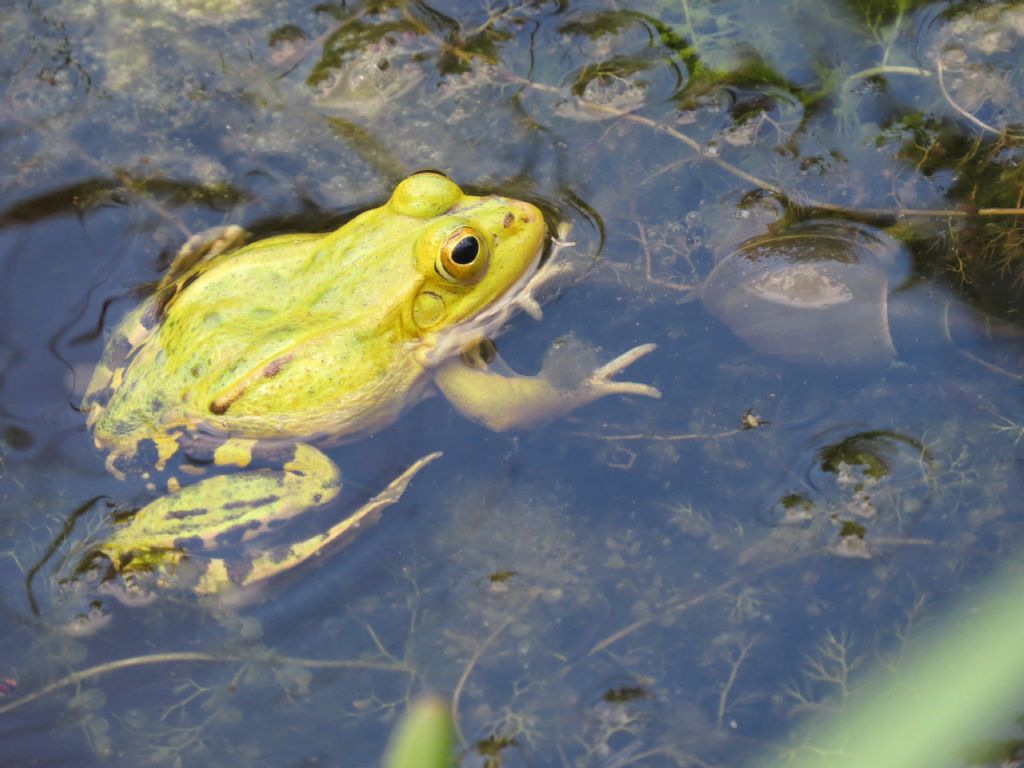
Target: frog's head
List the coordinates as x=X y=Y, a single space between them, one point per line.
x=472 y=253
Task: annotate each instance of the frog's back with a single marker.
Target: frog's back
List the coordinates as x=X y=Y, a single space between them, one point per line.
x=305 y=336
x=286 y=337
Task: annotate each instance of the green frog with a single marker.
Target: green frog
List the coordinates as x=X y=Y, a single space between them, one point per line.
x=255 y=357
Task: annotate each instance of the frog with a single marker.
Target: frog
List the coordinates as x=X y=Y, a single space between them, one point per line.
x=248 y=361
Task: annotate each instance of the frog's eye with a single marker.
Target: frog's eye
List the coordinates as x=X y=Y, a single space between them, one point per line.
x=463 y=256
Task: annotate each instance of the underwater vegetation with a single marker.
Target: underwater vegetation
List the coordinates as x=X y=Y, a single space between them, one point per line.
x=700 y=580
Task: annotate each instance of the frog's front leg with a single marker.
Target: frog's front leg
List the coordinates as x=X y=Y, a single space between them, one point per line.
x=507 y=400
x=200 y=248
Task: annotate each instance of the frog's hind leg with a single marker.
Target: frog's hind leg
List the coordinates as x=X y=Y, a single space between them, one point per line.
x=222 y=509
x=262 y=566
x=234 y=508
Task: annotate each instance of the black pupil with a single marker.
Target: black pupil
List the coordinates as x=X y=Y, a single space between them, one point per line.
x=466 y=251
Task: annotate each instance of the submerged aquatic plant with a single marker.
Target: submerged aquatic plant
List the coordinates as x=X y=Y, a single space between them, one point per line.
x=942 y=700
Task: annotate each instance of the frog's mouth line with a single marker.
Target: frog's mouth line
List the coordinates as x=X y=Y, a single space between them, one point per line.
x=518 y=286
x=489 y=321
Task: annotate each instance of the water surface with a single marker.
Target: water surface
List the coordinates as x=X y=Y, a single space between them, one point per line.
x=658 y=583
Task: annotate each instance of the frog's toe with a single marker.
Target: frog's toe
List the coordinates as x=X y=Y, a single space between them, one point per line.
x=624 y=360
x=133 y=589
x=602 y=380
x=88 y=622
x=626 y=388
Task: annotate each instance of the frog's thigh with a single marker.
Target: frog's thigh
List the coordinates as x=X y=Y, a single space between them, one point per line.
x=510 y=401
x=265 y=565
x=235 y=506
x=306 y=480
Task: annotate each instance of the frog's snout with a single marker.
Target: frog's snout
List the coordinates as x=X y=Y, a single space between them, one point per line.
x=522 y=214
x=523 y=224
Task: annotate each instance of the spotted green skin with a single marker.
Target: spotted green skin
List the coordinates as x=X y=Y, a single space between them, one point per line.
x=306 y=335
x=253 y=357
x=288 y=341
